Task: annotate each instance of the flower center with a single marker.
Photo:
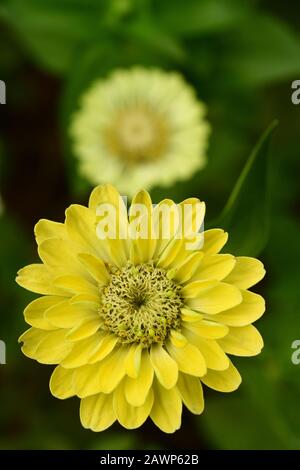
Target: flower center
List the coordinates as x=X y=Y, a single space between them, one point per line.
x=141 y=305
x=137 y=133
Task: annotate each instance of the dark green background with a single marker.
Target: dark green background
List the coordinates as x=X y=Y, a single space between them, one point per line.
x=242 y=57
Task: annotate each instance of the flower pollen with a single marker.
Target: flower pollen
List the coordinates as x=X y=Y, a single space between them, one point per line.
x=141 y=305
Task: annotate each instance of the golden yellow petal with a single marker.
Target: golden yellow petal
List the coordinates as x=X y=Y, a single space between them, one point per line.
x=215 y=267
x=191 y=392
x=95 y=267
x=166 y=409
x=214 y=240
x=133 y=360
x=96 y=412
x=223 y=381
x=131 y=417
x=211 y=297
x=86 y=380
x=213 y=354
x=246 y=272
x=242 y=341
x=105 y=347
x=61 y=383
x=46 y=229
x=66 y=315
x=185 y=271
x=37 y=278
x=136 y=390
x=82 y=351
x=112 y=369
x=75 y=285
x=207 y=329
x=251 y=308
x=84 y=329
x=164 y=366
x=188 y=358
x=34 y=313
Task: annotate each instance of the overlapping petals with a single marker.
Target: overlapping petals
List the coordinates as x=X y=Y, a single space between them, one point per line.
x=128 y=382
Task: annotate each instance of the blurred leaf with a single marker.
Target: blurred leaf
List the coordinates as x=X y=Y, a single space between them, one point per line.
x=51 y=29
x=246 y=213
x=261 y=50
x=193 y=17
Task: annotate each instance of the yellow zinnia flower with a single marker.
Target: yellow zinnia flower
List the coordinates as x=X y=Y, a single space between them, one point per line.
x=139 y=127
x=137 y=324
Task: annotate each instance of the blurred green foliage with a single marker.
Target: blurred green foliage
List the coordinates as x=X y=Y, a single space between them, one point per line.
x=241 y=56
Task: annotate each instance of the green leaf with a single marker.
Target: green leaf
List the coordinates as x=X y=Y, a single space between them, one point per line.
x=52 y=29
x=262 y=49
x=246 y=213
x=199 y=17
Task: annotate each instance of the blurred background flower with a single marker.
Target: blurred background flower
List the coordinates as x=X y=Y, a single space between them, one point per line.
x=241 y=58
x=139 y=128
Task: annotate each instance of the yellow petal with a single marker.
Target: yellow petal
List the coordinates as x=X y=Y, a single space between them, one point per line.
x=31 y=338
x=164 y=366
x=105 y=348
x=213 y=354
x=214 y=240
x=96 y=412
x=189 y=267
x=46 y=229
x=67 y=315
x=75 y=285
x=86 y=380
x=140 y=228
x=169 y=254
x=211 y=296
x=117 y=243
x=95 y=267
x=136 y=390
x=60 y=257
x=191 y=392
x=91 y=299
x=177 y=339
x=38 y=279
x=246 y=272
x=188 y=315
x=131 y=417
x=34 y=313
x=188 y=358
x=82 y=351
x=223 y=381
x=251 y=308
x=166 y=409
x=242 y=341
x=207 y=329
x=113 y=369
x=53 y=348
x=84 y=329
x=192 y=212
x=133 y=360
x=215 y=267
x=61 y=383
x=81 y=227
x=165 y=224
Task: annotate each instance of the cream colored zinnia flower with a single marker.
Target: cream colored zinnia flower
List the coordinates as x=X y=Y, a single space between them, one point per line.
x=139 y=128
x=137 y=325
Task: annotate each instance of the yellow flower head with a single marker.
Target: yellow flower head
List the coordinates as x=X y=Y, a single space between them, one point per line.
x=138 y=312
x=139 y=127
